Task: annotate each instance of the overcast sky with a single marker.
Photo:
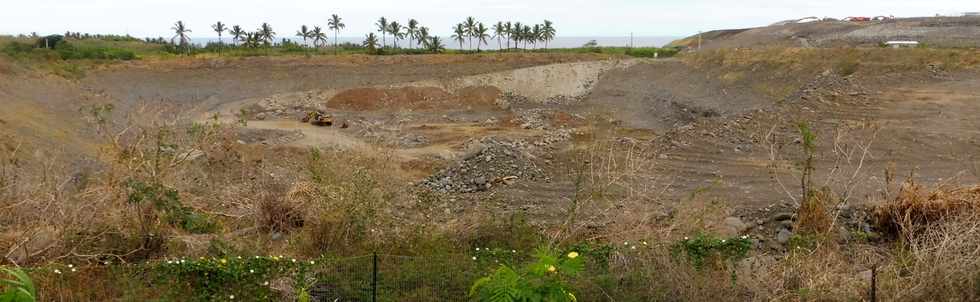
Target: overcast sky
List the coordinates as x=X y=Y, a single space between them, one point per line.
x=154 y=18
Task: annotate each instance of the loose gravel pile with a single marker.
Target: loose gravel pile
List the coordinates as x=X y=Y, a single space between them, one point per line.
x=486 y=163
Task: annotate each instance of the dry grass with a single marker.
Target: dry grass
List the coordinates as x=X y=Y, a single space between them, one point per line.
x=940 y=264
x=915 y=208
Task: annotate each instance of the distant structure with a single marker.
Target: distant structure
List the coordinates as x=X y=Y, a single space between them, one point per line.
x=971 y=14
x=900 y=44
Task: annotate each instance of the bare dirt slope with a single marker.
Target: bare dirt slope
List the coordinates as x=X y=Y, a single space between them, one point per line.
x=932 y=31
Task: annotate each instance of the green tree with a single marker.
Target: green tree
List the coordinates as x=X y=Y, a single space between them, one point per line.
x=535 y=36
x=459 y=34
x=434 y=44
x=219 y=28
x=336 y=25
x=508 y=32
x=383 y=28
x=422 y=35
x=481 y=33
x=498 y=32
x=548 y=32
x=319 y=37
x=371 y=43
x=180 y=30
x=236 y=33
x=470 y=25
x=266 y=34
x=411 y=31
x=395 y=29
x=303 y=32
x=517 y=34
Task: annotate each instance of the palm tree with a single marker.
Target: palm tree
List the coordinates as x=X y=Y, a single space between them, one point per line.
x=237 y=33
x=219 y=28
x=383 y=28
x=336 y=26
x=251 y=39
x=470 y=25
x=303 y=32
x=516 y=33
x=498 y=32
x=549 y=32
x=459 y=34
x=395 y=29
x=180 y=31
x=536 y=35
x=422 y=34
x=411 y=31
x=371 y=42
x=319 y=37
x=266 y=34
x=480 y=33
x=434 y=44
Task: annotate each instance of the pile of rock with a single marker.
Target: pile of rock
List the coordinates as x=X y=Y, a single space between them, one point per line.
x=484 y=164
x=828 y=84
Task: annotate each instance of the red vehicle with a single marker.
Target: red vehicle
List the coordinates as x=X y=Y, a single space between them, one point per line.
x=857 y=19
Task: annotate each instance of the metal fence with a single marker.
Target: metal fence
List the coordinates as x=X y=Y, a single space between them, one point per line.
x=379 y=277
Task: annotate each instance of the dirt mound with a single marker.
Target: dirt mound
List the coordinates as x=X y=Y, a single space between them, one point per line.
x=486 y=163
x=416 y=98
x=933 y=31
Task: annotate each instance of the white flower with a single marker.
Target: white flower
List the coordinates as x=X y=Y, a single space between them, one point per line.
x=294 y=260
x=251 y=271
x=633 y=247
x=70 y=266
x=73 y=270
x=265 y=283
x=723 y=241
x=231 y=297
x=312 y=262
x=626 y=243
x=57 y=271
x=513 y=251
x=170 y=262
x=685 y=238
x=644 y=243
x=239 y=257
x=474 y=257
x=478 y=249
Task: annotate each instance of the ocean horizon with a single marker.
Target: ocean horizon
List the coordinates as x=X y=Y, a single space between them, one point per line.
x=558 y=42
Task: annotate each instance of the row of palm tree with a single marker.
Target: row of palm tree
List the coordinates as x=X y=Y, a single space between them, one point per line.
x=416 y=34
x=516 y=34
x=513 y=33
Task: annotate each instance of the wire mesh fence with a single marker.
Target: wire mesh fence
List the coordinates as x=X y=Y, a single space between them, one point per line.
x=380 y=277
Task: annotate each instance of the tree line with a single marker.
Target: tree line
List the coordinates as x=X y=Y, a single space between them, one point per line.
x=515 y=35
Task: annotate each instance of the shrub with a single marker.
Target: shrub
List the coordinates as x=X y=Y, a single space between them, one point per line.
x=545 y=279
x=69 y=51
x=704 y=248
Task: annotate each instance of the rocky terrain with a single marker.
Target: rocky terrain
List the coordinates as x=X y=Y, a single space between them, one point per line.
x=931 y=31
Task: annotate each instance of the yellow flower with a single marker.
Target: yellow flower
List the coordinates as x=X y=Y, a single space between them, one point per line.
x=223 y=261
x=551 y=269
x=572 y=255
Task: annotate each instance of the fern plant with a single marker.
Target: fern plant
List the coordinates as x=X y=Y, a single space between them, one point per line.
x=545 y=279
x=18 y=289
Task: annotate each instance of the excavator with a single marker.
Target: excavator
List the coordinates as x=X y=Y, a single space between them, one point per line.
x=318 y=118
